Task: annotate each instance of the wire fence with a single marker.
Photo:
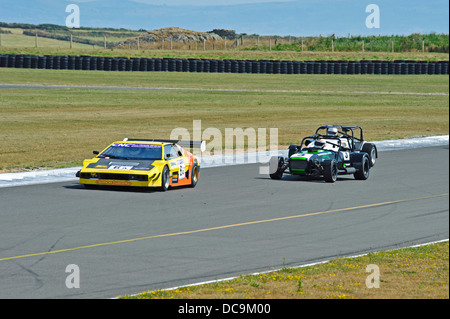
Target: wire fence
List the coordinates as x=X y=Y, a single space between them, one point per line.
x=412 y=43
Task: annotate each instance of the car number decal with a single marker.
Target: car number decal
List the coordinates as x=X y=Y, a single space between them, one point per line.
x=181 y=169
x=346 y=156
x=121 y=167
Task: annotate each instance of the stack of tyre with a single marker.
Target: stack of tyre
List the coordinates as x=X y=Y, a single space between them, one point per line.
x=222 y=66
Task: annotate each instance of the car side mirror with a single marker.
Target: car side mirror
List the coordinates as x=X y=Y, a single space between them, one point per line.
x=95 y=152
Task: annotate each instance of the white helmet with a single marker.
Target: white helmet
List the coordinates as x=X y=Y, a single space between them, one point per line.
x=332 y=131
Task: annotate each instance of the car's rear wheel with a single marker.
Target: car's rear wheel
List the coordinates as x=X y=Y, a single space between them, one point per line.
x=363 y=172
x=195 y=174
x=165 y=179
x=330 y=172
x=371 y=150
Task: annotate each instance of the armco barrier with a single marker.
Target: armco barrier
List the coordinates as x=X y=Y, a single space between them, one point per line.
x=121 y=64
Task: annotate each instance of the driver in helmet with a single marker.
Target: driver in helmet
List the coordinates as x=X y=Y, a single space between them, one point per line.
x=332 y=131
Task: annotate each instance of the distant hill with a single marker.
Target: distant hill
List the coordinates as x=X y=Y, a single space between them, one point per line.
x=123 y=38
x=173 y=33
x=85 y=36
x=120 y=38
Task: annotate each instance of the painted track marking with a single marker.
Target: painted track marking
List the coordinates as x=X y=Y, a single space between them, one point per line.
x=224 y=227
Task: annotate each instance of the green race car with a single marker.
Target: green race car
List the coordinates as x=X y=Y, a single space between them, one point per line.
x=332 y=150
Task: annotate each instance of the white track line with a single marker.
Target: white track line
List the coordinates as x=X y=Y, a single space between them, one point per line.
x=39 y=86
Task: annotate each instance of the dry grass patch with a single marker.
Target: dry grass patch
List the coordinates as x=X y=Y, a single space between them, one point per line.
x=411 y=273
x=62 y=48
x=60 y=127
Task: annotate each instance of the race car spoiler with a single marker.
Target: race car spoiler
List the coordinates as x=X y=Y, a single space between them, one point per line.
x=187 y=144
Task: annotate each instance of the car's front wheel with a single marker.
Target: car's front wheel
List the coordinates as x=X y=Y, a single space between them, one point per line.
x=330 y=172
x=276 y=167
x=165 y=179
x=363 y=172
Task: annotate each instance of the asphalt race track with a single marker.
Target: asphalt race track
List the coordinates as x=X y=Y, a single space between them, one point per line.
x=235 y=221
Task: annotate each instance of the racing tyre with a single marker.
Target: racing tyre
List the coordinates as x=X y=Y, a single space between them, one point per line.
x=276 y=167
x=165 y=179
x=363 y=172
x=330 y=172
x=371 y=150
x=195 y=174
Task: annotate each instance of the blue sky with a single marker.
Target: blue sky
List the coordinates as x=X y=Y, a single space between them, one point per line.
x=265 y=17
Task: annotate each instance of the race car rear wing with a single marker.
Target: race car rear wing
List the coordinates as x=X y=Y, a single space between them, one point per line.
x=187 y=144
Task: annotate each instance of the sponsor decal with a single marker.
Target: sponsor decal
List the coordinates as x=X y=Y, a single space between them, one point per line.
x=172 y=165
x=116 y=183
x=136 y=145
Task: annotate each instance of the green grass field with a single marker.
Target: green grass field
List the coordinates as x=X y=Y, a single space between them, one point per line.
x=47 y=128
x=17 y=40
x=62 y=48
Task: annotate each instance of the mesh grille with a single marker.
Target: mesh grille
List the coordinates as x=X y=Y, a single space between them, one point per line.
x=298 y=164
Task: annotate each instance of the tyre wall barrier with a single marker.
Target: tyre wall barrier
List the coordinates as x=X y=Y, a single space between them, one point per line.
x=397 y=67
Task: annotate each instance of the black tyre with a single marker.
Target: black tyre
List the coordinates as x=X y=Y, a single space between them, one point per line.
x=363 y=171
x=371 y=150
x=330 y=171
x=195 y=174
x=165 y=179
x=276 y=167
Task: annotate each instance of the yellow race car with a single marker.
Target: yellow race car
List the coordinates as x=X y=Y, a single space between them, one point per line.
x=143 y=163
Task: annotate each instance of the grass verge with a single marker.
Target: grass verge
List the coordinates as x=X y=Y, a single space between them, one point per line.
x=50 y=128
x=80 y=49
x=410 y=273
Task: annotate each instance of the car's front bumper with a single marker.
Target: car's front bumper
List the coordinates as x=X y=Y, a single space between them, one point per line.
x=119 y=179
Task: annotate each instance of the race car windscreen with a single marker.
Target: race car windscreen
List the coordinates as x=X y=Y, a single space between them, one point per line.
x=133 y=151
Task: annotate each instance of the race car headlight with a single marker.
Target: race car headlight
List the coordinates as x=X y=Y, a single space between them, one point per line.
x=142 y=178
x=85 y=175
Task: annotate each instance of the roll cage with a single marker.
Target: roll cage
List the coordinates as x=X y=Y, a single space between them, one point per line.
x=344 y=132
x=323 y=139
